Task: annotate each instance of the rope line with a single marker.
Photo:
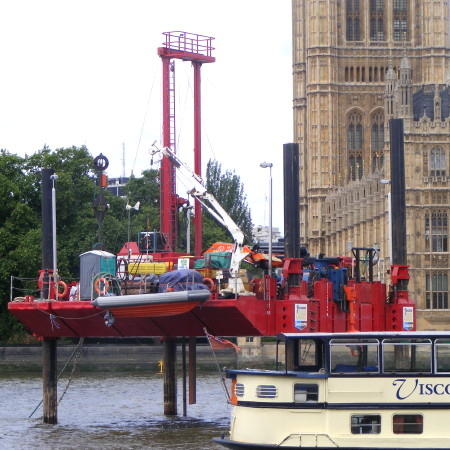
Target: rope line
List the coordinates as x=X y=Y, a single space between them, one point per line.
x=77 y=351
x=53 y=316
x=143 y=122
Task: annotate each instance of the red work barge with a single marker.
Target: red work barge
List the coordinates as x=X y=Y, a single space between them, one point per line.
x=312 y=306
x=312 y=295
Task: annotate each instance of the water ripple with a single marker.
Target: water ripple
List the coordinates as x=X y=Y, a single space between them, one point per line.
x=114 y=412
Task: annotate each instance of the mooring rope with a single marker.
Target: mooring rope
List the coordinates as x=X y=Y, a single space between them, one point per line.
x=79 y=349
x=77 y=354
x=53 y=316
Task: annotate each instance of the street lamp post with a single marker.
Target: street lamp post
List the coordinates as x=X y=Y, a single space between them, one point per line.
x=266 y=165
x=129 y=208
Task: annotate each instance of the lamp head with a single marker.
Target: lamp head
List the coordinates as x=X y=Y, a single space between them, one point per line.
x=265 y=165
x=136 y=206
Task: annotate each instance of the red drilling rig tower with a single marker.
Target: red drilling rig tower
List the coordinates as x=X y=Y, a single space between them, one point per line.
x=197 y=49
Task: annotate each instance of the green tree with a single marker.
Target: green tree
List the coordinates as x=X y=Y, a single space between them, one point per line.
x=20 y=218
x=18 y=232
x=144 y=190
x=76 y=226
x=228 y=190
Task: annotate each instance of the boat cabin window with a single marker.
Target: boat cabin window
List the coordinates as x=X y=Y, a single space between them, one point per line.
x=407 y=355
x=442 y=353
x=266 y=391
x=408 y=424
x=304 y=355
x=354 y=355
x=306 y=393
x=239 y=390
x=366 y=424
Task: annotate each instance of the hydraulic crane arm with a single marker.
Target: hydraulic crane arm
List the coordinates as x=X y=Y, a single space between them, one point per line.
x=209 y=202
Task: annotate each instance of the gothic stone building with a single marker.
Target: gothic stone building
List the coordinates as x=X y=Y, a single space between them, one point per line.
x=357 y=64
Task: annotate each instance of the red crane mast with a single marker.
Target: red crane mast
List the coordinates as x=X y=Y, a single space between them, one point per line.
x=197 y=49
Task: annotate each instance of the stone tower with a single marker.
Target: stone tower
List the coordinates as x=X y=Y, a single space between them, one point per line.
x=356 y=64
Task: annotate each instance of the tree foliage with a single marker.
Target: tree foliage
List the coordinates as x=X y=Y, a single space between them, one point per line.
x=21 y=225
x=228 y=190
x=144 y=190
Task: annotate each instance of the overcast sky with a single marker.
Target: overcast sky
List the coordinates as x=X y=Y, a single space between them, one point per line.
x=87 y=72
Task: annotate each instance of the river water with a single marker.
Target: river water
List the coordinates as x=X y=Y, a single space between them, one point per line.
x=111 y=412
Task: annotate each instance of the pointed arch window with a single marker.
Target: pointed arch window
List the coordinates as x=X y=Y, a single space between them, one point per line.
x=377 y=143
x=353 y=20
x=400 y=20
x=354 y=147
x=437 y=162
x=377 y=20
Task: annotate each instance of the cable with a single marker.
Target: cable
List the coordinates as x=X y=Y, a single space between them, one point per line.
x=143 y=122
x=77 y=350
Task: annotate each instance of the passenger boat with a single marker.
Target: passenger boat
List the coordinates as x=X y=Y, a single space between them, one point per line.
x=362 y=390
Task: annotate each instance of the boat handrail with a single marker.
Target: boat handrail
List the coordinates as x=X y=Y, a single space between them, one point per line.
x=316 y=435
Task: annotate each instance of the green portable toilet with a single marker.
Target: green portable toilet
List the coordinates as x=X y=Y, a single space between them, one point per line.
x=91 y=264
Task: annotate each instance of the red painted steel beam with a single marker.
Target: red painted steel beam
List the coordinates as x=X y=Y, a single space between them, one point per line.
x=166 y=166
x=185 y=56
x=197 y=49
x=198 y=225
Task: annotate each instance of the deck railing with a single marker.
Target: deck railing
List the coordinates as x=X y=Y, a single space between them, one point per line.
x=189 y=42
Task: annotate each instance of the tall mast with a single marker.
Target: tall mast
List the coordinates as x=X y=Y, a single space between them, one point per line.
x=197 y=49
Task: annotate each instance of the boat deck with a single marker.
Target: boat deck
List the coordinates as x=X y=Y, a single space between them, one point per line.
x=229 y=317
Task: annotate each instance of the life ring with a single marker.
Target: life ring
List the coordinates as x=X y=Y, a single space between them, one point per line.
x=209 y=283
x=101 y=285
x=64 y=289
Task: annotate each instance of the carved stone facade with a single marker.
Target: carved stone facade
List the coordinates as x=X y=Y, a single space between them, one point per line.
x=356 y=65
